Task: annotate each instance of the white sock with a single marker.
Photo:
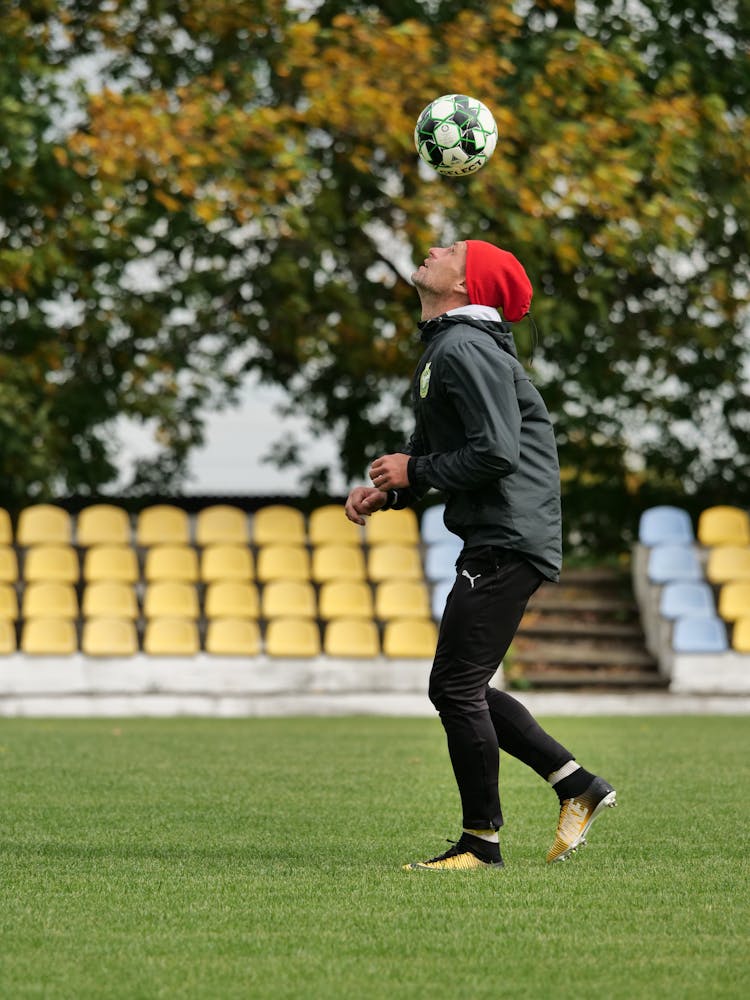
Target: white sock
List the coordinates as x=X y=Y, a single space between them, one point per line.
x=570 y=768
x=491 y=836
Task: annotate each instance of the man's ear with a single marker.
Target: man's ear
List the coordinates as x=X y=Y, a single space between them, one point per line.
x=461 y=286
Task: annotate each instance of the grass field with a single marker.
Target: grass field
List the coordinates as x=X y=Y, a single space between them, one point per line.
x=261 y=858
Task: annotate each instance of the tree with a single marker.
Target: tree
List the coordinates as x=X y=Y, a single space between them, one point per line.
x=259 y=162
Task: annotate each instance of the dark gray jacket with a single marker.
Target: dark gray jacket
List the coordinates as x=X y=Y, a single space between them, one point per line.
x=484 y=438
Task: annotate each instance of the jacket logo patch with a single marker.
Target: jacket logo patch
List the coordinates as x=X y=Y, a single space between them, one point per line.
x=424 y=380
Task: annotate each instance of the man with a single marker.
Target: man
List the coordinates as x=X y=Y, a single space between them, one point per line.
x=483 y=436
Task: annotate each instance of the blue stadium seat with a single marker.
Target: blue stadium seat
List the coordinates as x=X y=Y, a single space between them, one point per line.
x=432 y=528
x=693 y=598
x=440 y=560
x=439 y=594
x=699 y=635
x=665 y=526
x=669 y=563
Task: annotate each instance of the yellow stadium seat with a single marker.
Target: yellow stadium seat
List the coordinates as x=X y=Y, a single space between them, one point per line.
x=233 y=637
x=351 y=637
x=110 y=599
x=410 y=639
x=723 y=525
x=727 y=563
x=337 y=562
x=50 y=600
x=171 y=562
x=394 y=562
x=292 y=637
x=8 y=603
x=278 y=524
x=162 y=524
x=8 y=564
x=288 y=599
x=396 y=527
x=54 y=563
x=6 y=528
x=7 y=638
x=111 y=562
x=49 y=637
x=402 y=599
x=283 y=562
x=171 y=637
x=231 y=599
x=329 y=525
x=44 y=524
x=109 y=637
x=170 y=599
x=103 y=524
x=741 y=635
x=345 y=599
x=226 y=562
x=734 y=600
x=222 y=524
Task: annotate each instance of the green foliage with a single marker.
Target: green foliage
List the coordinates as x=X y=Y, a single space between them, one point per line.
x=257 y=163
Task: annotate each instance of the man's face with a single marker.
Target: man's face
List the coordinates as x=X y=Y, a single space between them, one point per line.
x=444 y=270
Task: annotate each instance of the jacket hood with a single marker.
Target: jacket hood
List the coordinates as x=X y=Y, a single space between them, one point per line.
x=499 y=331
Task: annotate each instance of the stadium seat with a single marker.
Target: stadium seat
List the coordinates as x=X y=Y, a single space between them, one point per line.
x=410 y=639
x=283 y=562
x=222 y=524
x=693 y=597
x=734 y=600
x=171 y=562
x=668 y=563
x=109 y=599
x=171 y=637
x=6 y=528
x=432 y=528
x=103 y=524
x=7 y=638
x=233 y=637
x=741 y=635
x=337 y=562
x=328 y=525
x=109 y=637
x=345 y=599
x=8 y=603
x=665 y=525
x=231 y=599
x=440 y=560
x=394 y=562
x=110 y=562
x=699 y=635
x=50 y=600
x=227 y=561
x=8 y=564
x=44 y=524
x=162 y=524
x=279 y=524
x=170 y=599
x=724 y=525
x=396 y=527
x=288 y=599
x=401 y=599
x=726 y=563
x=292 y=637
x=53 y=563
x=49 y=637
x=438 y=598
x=351 y=637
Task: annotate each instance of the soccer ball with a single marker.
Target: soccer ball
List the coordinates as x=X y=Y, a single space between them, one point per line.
x=455 y=135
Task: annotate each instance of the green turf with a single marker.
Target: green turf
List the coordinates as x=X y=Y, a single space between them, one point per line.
x=261 y=858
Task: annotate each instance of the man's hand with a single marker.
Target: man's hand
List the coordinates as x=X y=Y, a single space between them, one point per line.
x=389 y=472
x=363 y=501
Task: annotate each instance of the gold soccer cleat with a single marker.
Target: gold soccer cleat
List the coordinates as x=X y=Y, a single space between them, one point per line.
x=460 y=857
x=577 y=815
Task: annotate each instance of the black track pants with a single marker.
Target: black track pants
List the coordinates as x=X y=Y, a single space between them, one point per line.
x=481 y=616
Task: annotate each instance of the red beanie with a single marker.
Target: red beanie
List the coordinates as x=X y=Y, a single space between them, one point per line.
x=496 y=278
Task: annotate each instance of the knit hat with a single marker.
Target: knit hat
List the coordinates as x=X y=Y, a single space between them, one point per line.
x=496 y=278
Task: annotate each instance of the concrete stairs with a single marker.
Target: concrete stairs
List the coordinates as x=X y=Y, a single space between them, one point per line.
x=583 y=633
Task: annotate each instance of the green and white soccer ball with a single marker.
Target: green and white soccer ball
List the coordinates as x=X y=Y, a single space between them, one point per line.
x=455 y=135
